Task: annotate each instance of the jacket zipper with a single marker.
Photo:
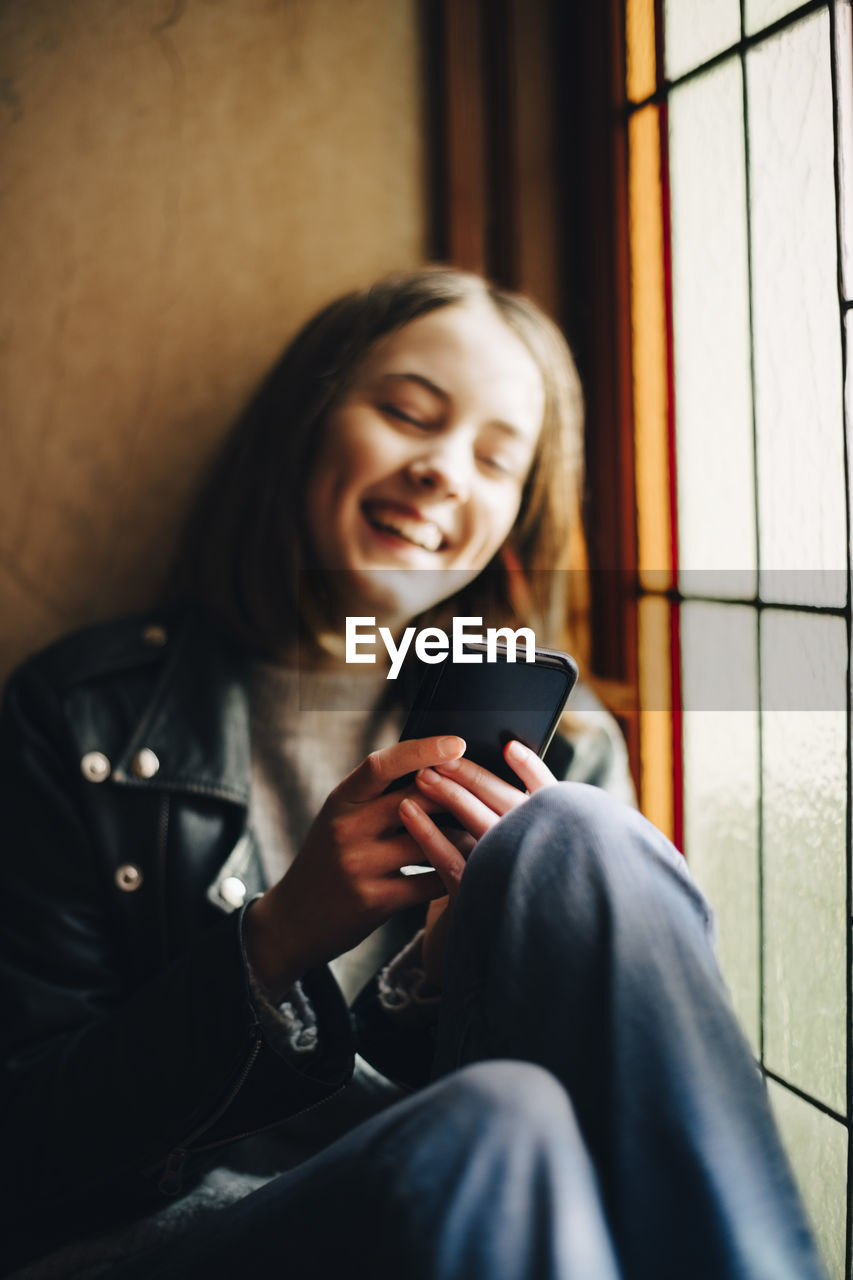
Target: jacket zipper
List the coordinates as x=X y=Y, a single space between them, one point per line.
x=172 y=1177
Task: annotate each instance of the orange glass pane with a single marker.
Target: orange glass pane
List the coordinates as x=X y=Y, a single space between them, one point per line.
x=641 y=68
x=648 y=326
x=656 y=758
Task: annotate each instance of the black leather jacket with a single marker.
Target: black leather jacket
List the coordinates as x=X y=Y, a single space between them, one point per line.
x=130 y=1044
x=128 y=1034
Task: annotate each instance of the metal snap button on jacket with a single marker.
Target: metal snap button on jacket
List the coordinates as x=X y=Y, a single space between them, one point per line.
x=95 y=766
x=144 y=764
x=233 y=891
x=128 y=877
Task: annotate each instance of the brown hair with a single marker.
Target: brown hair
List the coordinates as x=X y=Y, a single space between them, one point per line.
x=244 y=551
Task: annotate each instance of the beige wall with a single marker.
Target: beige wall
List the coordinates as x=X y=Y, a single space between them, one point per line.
x=180 y=184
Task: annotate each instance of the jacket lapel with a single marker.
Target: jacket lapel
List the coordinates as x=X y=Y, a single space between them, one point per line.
x=196 y=723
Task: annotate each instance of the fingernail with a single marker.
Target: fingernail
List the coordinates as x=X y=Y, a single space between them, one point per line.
x=516 y=751
x=448 y=765
x=409 y=808
x=429 y=776
x=451 y=746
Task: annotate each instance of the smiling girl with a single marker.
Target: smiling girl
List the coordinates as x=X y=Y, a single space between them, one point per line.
x=426 y=456
x=539 y=1077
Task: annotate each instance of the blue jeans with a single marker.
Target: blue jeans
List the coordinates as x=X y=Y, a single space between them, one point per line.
x=596 y=1112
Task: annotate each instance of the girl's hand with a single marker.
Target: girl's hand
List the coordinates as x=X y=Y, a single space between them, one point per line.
x=477 y=799
x=346 y=877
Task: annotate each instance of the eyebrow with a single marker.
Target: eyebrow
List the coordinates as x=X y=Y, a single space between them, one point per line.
x=506 y=428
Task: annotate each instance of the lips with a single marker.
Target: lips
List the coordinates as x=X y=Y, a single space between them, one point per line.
x=405 y=524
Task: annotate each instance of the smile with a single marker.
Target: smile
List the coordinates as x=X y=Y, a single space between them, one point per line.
x=414 y=529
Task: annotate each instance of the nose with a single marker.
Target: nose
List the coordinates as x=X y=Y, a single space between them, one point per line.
x=444 y=470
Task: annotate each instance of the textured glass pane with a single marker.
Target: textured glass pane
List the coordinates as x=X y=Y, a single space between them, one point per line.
x=804 y=811
x=648 y=337
x=795 y=314
x=760 y=13
x=640 y=57
x=844 y=91
x=695 y=30
x=713 y=397
x=719 y=659
x=817 y=1148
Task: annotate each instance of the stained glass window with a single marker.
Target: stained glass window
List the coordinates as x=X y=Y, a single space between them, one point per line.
x=739 y=125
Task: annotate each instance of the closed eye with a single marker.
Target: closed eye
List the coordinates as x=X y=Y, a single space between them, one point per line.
x=497 y=465
x=392 y=411
x=400 y=414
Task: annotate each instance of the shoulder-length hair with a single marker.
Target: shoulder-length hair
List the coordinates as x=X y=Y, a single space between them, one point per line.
x=246 y=551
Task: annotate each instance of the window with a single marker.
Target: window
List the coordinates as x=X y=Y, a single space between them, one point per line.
x=687 y=213
x=736 y=122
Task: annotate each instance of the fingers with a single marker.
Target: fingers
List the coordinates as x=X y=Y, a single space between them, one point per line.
x=383 y=856
x=435 y=846
x=382 y=817
x=534 y=773
x=410 y=891
x=382 y=767
x=475 y=816
x=461 y=840
x=500 y=796
x=476 y=796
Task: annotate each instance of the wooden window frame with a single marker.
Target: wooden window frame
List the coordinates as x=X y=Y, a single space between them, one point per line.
x=527 y=176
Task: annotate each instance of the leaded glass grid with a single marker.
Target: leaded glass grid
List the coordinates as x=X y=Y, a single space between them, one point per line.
x=739 y=119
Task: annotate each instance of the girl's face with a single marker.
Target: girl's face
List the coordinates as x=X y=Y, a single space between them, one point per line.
x=423 y=462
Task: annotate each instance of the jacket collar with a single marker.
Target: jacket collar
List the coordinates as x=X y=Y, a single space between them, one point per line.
x=196 y=722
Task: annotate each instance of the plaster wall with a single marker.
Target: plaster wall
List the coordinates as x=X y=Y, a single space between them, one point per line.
x=181 y=183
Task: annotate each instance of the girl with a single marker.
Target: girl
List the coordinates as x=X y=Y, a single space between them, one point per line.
x=546 y=1080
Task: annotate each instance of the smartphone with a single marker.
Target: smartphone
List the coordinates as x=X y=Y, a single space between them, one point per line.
x=490 y=703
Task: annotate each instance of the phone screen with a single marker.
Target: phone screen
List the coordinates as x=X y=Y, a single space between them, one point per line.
x=489 y=703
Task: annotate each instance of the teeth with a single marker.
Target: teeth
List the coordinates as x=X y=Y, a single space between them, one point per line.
x=423 y=533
